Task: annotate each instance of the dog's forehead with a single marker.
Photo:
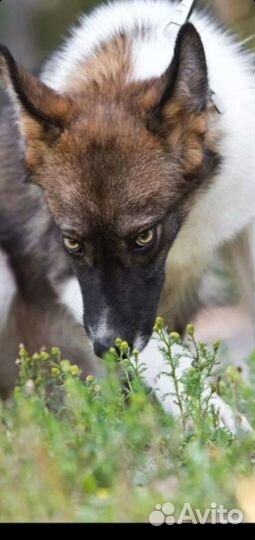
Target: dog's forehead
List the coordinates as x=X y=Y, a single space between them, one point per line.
x=109 y=171
x=106 y=173
x=106 y=192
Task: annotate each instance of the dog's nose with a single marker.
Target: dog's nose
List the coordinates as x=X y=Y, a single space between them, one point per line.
x=100 y=348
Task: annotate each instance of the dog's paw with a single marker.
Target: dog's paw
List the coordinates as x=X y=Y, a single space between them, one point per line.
x=155 y=372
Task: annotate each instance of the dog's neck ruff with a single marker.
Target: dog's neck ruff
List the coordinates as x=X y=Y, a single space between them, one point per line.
x=180 y=17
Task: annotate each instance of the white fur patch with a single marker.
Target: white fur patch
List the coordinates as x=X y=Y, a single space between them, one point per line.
x=7 y=288
x=139 y=343
x=69 y=294
x=103 y=331
x=103 y=24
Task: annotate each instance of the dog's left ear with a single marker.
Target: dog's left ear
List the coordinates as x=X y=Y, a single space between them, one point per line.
x=184 y=85
x=41 y=112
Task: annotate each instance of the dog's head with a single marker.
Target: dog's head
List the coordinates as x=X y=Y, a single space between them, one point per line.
x=120 y=167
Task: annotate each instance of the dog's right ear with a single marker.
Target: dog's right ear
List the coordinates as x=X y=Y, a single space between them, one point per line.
x=42 y=113
x=182 y=91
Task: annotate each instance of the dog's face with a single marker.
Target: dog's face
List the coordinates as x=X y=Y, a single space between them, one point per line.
x=118 y=219
x=119 y=170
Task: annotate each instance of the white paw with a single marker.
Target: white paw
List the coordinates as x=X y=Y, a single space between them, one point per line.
x=156 y=375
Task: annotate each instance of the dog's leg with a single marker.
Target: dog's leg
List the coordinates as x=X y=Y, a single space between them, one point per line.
x=155 y=372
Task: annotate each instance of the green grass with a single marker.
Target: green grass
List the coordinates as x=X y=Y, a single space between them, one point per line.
x=104 y=451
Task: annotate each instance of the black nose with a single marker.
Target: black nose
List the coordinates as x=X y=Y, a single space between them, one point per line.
x=100 y=348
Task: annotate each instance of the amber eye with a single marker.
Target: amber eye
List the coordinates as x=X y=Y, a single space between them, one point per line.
x=71 y=245
x=145 y=238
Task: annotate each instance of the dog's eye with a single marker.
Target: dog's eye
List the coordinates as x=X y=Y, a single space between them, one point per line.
x=71 y=245
x=145 y=238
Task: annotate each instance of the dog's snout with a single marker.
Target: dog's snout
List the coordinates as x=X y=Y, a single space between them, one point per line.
x=100 y=348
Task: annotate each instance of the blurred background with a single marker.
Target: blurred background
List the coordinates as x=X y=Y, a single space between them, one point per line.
x=33 y=28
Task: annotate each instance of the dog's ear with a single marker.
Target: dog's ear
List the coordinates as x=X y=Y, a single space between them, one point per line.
x=184 y=85
x=41 y=112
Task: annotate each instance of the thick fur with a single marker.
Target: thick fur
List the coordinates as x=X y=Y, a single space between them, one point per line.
x=120 y=63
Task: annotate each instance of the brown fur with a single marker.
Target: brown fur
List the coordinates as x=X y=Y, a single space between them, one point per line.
x=109 y=65
x=137 y=151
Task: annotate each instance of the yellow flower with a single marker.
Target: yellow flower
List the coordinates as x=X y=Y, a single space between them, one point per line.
x=159 y=322
x=118 y=342
x=44 y=356
x=124 y=346
x=55 y=351
x=103 y=493
x=75 y=370
x=175 y=336
x=22 y=350
x=55 y=371
x=65 y=365
x=190 y=329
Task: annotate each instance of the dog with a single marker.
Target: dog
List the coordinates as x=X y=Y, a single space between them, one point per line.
x=127 y=166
